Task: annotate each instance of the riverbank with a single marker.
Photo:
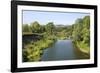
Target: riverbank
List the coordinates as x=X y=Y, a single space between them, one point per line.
x=34 y=50
x=82 y=53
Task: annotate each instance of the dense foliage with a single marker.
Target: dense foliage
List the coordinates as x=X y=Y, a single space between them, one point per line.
x=81 y=33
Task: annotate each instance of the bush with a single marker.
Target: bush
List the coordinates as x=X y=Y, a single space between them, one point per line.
x=34 y=50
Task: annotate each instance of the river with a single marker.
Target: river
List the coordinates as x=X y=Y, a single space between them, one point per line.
x=61 y=50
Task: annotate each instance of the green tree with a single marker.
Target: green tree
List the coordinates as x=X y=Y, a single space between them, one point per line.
x=77 y=28
x=50 y=28
x=42 y=29
x=26 y=28
x=35 y=27
x=86 y=30
x=81 y=31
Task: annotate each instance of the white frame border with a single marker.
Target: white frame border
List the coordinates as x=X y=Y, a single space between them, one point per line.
x=52 y=63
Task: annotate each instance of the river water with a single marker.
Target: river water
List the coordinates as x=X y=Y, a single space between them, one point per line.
x=61 y=50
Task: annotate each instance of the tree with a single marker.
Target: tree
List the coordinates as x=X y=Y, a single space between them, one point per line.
x=77 y=28
x=81 y=30
x=42 y=29
x=26 y=28
x=35 y=27
x=86 y=30
x=50 y=28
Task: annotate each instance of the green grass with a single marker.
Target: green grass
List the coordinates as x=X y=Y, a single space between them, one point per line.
x=82 y=46
x=33 y=50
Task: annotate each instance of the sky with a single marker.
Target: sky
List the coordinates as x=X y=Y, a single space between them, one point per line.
x=43 y=17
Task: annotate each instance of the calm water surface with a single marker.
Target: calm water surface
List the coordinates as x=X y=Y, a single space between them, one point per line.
x=61 y=50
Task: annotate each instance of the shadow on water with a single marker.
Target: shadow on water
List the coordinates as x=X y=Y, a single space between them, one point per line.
x=81 y=55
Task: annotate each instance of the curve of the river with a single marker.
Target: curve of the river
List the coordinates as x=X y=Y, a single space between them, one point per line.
x=61 y=50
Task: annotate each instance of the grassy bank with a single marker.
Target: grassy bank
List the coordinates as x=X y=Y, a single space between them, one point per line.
x=33 y=50
x=83 y=47
x=82 y=51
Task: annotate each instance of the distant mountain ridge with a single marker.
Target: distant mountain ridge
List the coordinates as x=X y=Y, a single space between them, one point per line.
x=60 y=25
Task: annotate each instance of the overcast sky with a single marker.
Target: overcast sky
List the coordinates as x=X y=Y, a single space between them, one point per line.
x=43 y=17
